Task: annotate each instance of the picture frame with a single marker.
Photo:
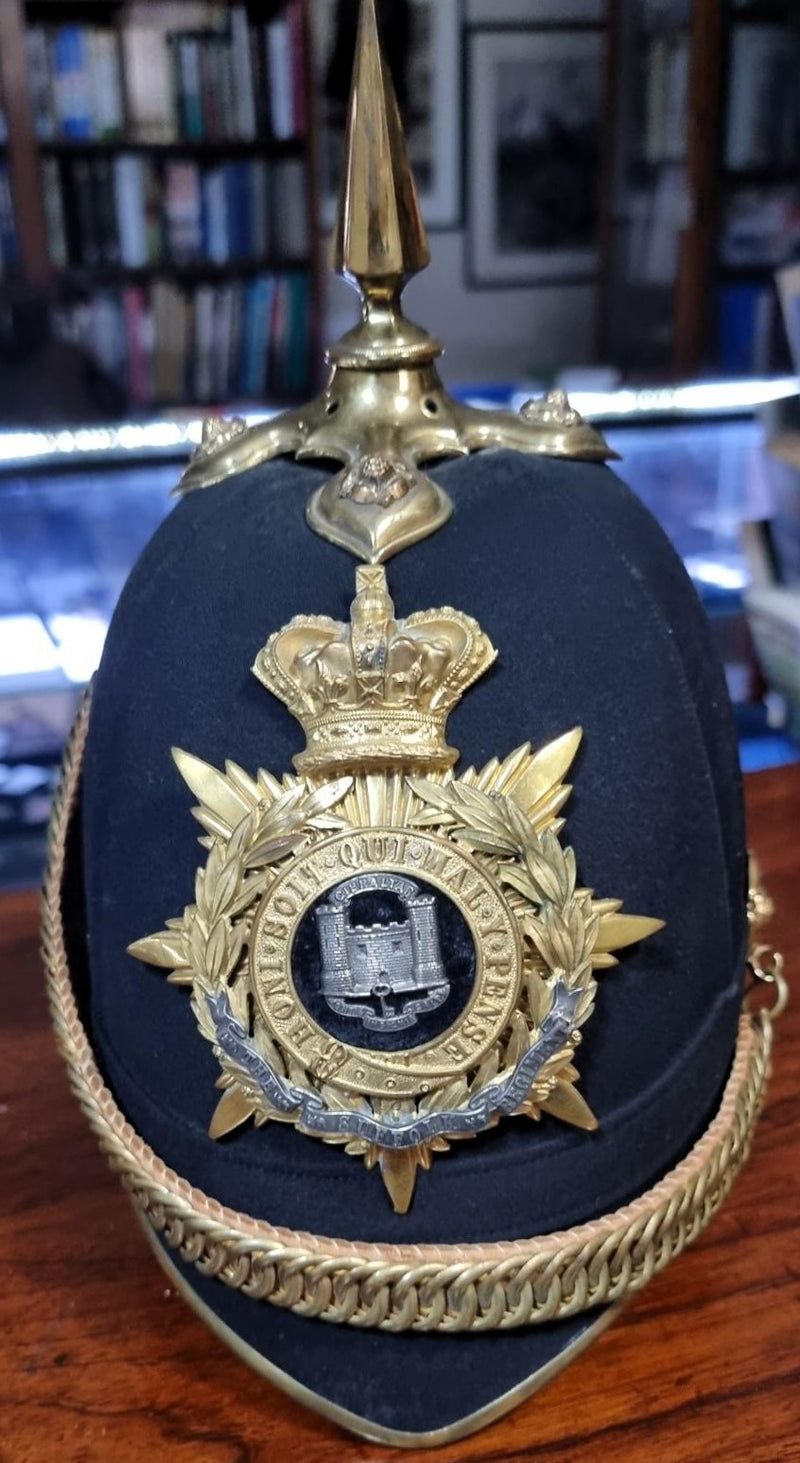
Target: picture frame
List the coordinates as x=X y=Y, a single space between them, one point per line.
x=433 y=120
x=535 y=105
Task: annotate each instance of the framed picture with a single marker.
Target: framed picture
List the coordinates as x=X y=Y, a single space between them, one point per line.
x=430 y=93
x=535 y=105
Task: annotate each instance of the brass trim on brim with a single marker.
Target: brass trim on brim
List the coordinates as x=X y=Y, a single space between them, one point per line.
x=353 y=1422
x=448 y=1288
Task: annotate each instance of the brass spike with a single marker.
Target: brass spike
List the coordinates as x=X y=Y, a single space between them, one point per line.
x=384 y=410
x=379 y=230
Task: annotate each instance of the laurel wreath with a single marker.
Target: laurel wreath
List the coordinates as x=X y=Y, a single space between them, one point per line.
x=207 y=947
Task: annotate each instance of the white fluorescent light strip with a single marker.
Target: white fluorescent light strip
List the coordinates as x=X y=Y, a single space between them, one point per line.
x=721 y=576
x=82 y=442
x=702 y=397
x=80 y=640
x=25 y=646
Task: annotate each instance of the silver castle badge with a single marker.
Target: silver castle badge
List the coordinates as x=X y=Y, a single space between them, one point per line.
x=386 y=974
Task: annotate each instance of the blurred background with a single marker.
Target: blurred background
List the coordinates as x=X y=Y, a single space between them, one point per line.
x=612 y=189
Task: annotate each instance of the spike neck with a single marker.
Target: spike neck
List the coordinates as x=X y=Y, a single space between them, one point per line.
x=384 y=338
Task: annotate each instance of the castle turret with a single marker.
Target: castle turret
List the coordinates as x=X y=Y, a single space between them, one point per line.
x=428 y=967
x=331 y=927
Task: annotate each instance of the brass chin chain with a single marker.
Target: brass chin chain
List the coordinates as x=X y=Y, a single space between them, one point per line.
x=445 y=1288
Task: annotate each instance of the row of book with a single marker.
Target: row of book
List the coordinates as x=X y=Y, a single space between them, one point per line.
x=149 y=82
x=9 y=243
x=241 y=340
x=133 y=210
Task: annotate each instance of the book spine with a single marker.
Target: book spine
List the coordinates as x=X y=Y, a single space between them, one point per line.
x=761 y=358
x=223 y=67
x=53 y=202
x=182 y=211
x=104 y=211
x=235 y=339
x=129 y=201
x=241 y=64
x=148 y=82
x=84 y=207
x=277 y=337
x=154 y=213
x=279 y=68
x=9 y=244
x=289 y=209
x=204 y=312
x=245 y=192
x=71 y=218
x=233 y=209
x=259 y=70
x=106 y=335
x=83 y=111
x=268 y=313
x=59 y=57
x=258 y=371
x=134 y=312
x=738 y=306
x=296 y=25
x=677 y=101
x=184 y=331
x=209 y=91
x=40 y=83
x=249 y=342
x=788 y=282
x=215 y=212
x=655 y=102
x=105 y=85
x=297 y=363
x=223 y=331
x=162 y=339
x=71 y=77
x=259 y=194
x=194 y=119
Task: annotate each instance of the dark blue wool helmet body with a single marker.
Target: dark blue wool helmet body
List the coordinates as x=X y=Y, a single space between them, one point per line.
x=597 y=625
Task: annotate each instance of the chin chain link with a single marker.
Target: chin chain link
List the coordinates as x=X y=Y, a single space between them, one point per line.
x=764 y=964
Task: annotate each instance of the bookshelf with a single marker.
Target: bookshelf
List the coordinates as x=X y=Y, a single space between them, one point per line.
x=158 y=192
x=705 y=196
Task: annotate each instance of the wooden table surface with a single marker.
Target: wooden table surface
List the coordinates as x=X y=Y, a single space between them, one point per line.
x=99 y=1360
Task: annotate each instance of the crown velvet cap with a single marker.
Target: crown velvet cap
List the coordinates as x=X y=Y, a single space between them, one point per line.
x=599 y=626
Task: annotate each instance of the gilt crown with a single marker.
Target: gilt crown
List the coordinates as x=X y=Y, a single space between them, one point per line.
x=376 y=692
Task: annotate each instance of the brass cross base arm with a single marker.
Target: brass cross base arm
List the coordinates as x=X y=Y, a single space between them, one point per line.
x=381 y=424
